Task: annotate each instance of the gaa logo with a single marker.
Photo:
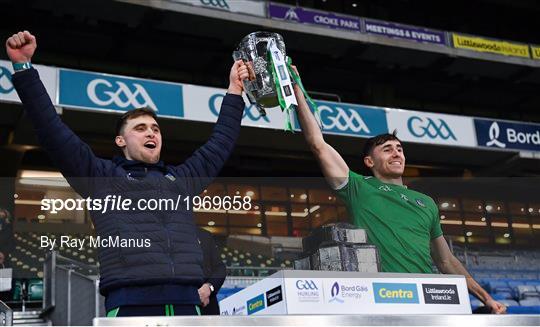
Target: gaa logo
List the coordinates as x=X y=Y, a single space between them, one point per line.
x=306 y=285
x=250 y=111
x=342 y=119
x=104 y=93
x=431 y=128
x=221 y=4
x=5 y=80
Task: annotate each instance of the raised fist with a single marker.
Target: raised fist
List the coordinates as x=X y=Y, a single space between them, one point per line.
x=20 y=47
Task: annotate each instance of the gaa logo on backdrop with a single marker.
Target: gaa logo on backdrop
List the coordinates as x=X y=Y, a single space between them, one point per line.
x=80 y=89
x=251 y=111
x=221 y=4
x=6 y=85
x=104 y=93
x=432 y=128
x=341 y=118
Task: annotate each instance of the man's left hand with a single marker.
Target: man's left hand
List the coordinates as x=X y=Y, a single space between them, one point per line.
x=204 y=294
x=496 y=307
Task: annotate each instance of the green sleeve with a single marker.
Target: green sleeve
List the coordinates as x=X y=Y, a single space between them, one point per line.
x=350 y=190
x=436 y=229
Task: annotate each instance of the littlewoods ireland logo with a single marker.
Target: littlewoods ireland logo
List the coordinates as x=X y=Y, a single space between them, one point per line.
x=440 y=294
x=494 y=133
x=334 y=293
x=395 y=293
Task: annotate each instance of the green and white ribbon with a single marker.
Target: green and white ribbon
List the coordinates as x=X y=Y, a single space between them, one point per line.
x=284 y=76
x=283 y=83
x=309 y=100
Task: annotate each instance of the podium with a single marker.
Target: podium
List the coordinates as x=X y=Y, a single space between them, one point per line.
x=305 y=292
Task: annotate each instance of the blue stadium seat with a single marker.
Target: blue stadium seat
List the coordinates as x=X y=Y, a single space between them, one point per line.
x=496 y=286
x=515 y=283
x=502 y=296
x=533 y=282
x=527 y=291
x=510 y=303
x=530 y=302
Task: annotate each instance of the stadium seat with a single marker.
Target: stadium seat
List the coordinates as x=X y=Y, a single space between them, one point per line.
x=530 y=302
x=527 y=291
x=509 y=303
x=502 y=296
x=515 y=283
x=533 y=282
x=35 y=290
x=17 y=290
x=497 y=286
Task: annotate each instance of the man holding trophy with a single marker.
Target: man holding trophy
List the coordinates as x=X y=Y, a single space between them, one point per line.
x=402 y=223
x=166 y=277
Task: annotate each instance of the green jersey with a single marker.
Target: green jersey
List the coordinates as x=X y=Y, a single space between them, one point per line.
x=399 y=221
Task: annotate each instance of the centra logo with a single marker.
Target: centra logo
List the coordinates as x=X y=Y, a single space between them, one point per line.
x=255 y=304
x=395 y=293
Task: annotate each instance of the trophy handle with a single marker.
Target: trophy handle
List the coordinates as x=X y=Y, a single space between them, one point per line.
x=248 y=85
x=262 y=112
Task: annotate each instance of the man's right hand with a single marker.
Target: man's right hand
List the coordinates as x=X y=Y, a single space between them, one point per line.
x=20 y=47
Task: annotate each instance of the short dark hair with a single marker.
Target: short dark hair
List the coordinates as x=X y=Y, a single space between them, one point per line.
x=371 y=143
x=121 y=122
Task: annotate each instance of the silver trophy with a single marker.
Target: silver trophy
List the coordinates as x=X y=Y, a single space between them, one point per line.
x=260 y=87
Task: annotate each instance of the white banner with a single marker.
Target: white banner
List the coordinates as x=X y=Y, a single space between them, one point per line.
x=251 y=7
x=203 y=104
x=421 y=127
x=336 y=292
x=7 y=91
